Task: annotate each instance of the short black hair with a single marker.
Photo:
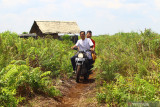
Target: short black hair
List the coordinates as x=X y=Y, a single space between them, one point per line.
x=89 y=31
x=82 y=32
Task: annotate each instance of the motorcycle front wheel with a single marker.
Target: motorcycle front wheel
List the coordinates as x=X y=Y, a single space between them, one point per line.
x=78 y=73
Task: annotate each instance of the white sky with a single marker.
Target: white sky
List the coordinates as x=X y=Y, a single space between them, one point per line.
x=100 y=16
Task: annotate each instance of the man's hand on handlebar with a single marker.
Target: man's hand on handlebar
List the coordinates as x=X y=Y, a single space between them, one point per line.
x=74 y=47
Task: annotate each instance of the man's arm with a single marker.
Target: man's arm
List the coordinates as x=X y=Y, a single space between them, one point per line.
x=74 y=47
x=91 y=45
x=92 y=48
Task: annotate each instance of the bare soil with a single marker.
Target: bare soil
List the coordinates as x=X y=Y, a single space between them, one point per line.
x=73 y=95
x=80 y=94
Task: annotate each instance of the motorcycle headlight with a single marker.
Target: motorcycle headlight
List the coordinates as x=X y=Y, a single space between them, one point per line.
x=80 y=55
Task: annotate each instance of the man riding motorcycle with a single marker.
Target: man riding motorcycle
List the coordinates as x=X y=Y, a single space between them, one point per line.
x=83 y=44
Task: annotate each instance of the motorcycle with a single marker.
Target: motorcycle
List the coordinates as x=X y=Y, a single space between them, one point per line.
x=82 y=65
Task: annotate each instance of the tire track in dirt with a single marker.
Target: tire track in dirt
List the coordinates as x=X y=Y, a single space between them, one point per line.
x=72 y=97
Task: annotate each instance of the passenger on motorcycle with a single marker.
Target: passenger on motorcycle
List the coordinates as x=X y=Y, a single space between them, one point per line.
x=89 y=35
x=83 y=44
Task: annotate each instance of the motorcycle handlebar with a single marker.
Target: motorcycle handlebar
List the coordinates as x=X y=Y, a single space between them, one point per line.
x=75 y=48
x=85 y=50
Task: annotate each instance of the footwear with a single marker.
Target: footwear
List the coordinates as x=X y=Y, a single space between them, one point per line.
x=90 y=72
x=74 y=72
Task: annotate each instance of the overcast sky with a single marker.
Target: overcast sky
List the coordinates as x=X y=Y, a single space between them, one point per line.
x=100 y=16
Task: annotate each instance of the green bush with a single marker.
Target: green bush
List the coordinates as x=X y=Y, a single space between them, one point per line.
x=23 y=80
x=49 y=54
x=101 y=97
x=128 y=66
x=30 y=65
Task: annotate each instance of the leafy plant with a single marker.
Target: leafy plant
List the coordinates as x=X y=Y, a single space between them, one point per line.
x=128 y=66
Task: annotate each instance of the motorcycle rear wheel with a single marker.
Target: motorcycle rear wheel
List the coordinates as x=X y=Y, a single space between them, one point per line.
x=86 y=76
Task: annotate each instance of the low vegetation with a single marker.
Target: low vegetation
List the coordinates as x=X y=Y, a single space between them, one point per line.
x=29 y=66
x=128 y=67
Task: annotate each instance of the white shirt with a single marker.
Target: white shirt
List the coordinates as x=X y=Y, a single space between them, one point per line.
x=85 y=45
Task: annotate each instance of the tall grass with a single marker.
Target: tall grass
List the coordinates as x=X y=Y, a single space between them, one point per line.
x=49 y=54
x=31 y=65
x=128 y=67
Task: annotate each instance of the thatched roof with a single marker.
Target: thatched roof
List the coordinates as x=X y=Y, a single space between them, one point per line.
x=50 y=27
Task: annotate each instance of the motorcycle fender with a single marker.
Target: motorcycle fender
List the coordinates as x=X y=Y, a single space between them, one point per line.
x=78 y=63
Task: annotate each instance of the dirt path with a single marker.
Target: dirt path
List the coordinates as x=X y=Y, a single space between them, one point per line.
x=76 y=92
x=73 y=95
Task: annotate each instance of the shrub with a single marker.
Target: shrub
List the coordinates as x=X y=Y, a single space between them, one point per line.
x=23 y=80
x=128 y=66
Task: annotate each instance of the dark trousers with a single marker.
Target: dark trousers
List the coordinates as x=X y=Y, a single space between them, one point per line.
x=89 y=64
x=73 y=61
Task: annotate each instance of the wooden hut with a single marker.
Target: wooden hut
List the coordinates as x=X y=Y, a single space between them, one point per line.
x=53 y=28
x=28 y=35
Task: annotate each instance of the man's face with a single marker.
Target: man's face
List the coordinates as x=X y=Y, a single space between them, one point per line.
x=82 y=35
x=89 y=35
